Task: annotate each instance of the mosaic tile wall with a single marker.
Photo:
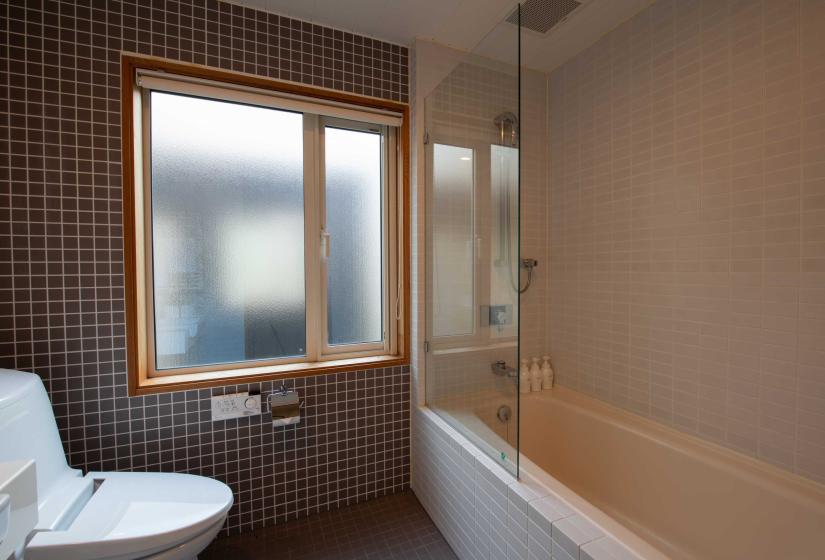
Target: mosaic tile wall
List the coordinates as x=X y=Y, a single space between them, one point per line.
x=61 y=271
x=687 y=232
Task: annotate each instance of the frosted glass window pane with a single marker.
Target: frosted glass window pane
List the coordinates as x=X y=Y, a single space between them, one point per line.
x=453 y=247
x=227 y=232
x=354 y=222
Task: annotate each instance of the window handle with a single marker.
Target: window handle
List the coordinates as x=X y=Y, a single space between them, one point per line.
x=325 y=247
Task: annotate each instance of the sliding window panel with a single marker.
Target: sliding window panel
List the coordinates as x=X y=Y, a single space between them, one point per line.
x=453 y=254
x=354 y=226
x=227 y=232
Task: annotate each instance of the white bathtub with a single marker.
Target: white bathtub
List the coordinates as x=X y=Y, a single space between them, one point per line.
x=620 y=486
x=687 y=498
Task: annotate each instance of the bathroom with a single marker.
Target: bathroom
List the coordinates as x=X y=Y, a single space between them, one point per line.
x=438 y=280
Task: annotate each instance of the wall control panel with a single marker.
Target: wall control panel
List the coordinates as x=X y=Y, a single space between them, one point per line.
x=235 y=405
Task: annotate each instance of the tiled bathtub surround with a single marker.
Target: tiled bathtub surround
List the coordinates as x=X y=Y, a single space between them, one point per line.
x=61 y=270
x=687 y=223
x=483 y=512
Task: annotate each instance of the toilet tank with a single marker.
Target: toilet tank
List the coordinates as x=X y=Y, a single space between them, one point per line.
x=28 y=429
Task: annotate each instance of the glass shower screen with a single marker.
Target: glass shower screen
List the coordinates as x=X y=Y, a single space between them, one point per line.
x=472 y=237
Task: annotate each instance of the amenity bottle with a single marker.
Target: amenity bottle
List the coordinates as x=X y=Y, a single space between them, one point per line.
x=548 y=377
x=524 y=380
x=535 y=375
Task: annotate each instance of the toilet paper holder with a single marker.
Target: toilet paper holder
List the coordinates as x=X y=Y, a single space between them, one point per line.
x=285 y=406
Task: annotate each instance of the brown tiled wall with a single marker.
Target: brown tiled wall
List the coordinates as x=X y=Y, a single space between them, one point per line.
x=61 y=271
x=687 y=234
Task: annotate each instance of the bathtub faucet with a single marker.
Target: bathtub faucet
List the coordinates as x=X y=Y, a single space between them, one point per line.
x=501 y=369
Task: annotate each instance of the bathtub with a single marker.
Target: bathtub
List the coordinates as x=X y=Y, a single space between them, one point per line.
x=600 y=483
x=685 y=498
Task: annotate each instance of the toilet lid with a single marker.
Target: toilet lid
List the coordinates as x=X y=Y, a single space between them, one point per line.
x=136 y=514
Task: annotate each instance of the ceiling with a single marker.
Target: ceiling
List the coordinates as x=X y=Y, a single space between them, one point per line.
x=462 y=24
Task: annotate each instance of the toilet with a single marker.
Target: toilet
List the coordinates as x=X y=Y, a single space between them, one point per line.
x=103 y=515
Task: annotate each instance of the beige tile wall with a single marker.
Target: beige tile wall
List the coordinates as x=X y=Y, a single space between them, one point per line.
x=687 y=223
x=534 y=218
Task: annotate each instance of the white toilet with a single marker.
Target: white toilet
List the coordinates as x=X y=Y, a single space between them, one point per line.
x=102 y=516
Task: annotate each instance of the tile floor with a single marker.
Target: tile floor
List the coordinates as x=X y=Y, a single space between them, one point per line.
x=393 y=527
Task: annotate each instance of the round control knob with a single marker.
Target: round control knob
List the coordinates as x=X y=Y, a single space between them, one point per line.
x=250 y=403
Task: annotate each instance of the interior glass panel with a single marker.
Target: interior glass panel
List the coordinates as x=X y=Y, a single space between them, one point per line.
x=472 y=124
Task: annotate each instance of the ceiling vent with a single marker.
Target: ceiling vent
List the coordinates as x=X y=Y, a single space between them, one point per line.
x=543 y=15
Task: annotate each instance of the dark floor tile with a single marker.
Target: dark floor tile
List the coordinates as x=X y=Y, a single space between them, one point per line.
x=393 y=527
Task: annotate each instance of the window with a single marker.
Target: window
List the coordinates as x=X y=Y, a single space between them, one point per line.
x=453 y=241
x=472 y=242
x=264 y=233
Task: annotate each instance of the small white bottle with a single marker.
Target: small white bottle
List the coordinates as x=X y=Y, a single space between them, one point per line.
x=524 y=380
x=535 y=375
x=547 y=374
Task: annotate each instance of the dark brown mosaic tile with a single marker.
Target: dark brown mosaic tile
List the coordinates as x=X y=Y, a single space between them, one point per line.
x=61 y=254
x=393 y=527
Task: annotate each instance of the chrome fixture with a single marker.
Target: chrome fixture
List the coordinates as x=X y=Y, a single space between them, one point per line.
x=501 y=369
x=508 y=130
x=529 y=265
x=504 y=413
x=507 y=122
x=496 y=315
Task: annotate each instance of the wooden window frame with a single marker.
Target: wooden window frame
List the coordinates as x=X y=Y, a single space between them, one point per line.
x=138 y=343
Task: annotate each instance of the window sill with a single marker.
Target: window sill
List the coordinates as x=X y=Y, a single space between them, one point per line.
x=189 y=381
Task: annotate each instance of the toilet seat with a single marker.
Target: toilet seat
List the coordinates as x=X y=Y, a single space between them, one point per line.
x=138 y=515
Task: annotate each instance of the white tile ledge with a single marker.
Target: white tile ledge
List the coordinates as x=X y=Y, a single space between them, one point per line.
x=605 y=549
x=573 y=532
x=548 y=510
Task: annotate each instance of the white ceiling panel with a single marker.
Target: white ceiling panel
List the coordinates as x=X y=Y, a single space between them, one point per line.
x=462 y=24
x=397 y=21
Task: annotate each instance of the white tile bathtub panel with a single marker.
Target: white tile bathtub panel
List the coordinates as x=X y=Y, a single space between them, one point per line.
x=485 y=514
x=539 y=543
x=517 y=519
x=443 y=473
x=532 y=555
x=516 y=550
x=559 y=553
x=482 y=529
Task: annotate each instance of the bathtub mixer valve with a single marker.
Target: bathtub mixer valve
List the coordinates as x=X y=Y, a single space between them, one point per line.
x=501 y=369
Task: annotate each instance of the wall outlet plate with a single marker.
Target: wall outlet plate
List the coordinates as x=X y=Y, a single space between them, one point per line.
x=235 y=405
